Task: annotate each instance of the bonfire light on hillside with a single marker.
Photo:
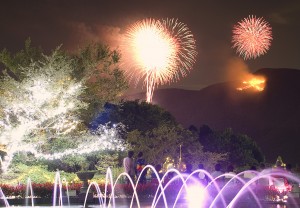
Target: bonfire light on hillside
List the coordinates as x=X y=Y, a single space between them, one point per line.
x=256 y=83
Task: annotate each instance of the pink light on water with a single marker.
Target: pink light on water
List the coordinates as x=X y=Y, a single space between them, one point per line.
x=196 y=195
x=252 y=37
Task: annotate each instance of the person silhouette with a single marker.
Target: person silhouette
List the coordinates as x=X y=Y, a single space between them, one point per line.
x=128 y=165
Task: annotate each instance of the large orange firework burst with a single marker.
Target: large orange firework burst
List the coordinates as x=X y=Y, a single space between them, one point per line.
x=157 y=52
x=252 y=37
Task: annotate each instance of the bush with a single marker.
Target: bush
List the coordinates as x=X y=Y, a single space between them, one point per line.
x=20 y=173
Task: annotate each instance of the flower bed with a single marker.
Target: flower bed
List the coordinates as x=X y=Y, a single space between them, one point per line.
x=46 y=190
x=148 y=190
x=43 y=190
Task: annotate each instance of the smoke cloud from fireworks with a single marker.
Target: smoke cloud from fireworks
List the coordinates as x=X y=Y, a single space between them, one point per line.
x=236 y=69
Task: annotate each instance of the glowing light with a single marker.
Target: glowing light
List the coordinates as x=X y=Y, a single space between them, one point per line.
x=256 y=83
x=252 y=37
x=45 y=102
x=103 y=138
x=158 y=52
x=196 y=196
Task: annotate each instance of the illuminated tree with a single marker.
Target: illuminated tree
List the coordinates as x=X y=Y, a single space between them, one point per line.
x=45 y=96
x=95 y=65
x=43 y=104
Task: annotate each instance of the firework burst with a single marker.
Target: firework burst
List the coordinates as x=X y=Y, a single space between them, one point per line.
x=157 y=52
x=252 y=37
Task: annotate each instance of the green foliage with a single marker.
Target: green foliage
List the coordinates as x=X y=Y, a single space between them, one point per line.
x=43 y=104
x=242 y=150
x=141 y=116
x=100 y=176
x=21 y=59
x=105 y=160
x=94 y=66
x=105 y=82
x=155 y=132
x=37 y=174
x=35 y=107
x=165 y=141
x=59 y=144
x=68 y=163
x=26 y=159
x=99 y=160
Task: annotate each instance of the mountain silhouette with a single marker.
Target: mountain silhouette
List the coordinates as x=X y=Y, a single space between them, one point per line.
x=271 y=117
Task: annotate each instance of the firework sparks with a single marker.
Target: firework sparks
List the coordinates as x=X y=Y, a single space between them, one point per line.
x=158 y=52
x=256 y=83
x=252 y=37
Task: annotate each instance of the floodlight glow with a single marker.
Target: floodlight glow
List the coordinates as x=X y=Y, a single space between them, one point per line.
x=196 y=195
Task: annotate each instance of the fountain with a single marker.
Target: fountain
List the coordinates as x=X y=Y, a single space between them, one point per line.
x=85 y=176
x=265 y=189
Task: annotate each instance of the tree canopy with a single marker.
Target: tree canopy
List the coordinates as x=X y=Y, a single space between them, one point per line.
x=154 y=131
x=242 y=150
x=172 y=141
x=48 y=96
x=136 y=115
x=95 y=66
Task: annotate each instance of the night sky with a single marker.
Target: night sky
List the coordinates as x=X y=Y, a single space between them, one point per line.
x=74 y=23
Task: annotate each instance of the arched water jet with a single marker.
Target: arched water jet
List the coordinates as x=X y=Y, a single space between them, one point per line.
x=109 y=178
x=213 y=181
x=67 y=190
x=168 y=183
x=99 y=194
x=234 y=177
x=2 y=196
x=186 y=187
x=58 y=182
x=184 y=183
x=29 y=188
x=132 y=185
x=269 y=174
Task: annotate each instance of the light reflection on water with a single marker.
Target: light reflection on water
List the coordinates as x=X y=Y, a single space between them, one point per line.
x=148 y=205
x=182 y=205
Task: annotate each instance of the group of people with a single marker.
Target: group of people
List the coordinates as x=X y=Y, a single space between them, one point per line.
x=134 y=168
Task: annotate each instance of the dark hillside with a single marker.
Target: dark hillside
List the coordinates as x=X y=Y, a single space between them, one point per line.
x=271 y=117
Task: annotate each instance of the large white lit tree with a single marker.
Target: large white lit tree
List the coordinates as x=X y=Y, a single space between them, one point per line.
x=45 y=96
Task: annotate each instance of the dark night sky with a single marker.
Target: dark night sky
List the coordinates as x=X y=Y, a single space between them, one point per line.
x=73 y=23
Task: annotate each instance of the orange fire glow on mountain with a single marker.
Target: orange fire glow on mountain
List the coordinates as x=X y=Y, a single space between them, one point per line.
x=254 y=82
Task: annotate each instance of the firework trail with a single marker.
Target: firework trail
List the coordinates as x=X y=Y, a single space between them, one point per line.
x=157 y=52
x=252 y=37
